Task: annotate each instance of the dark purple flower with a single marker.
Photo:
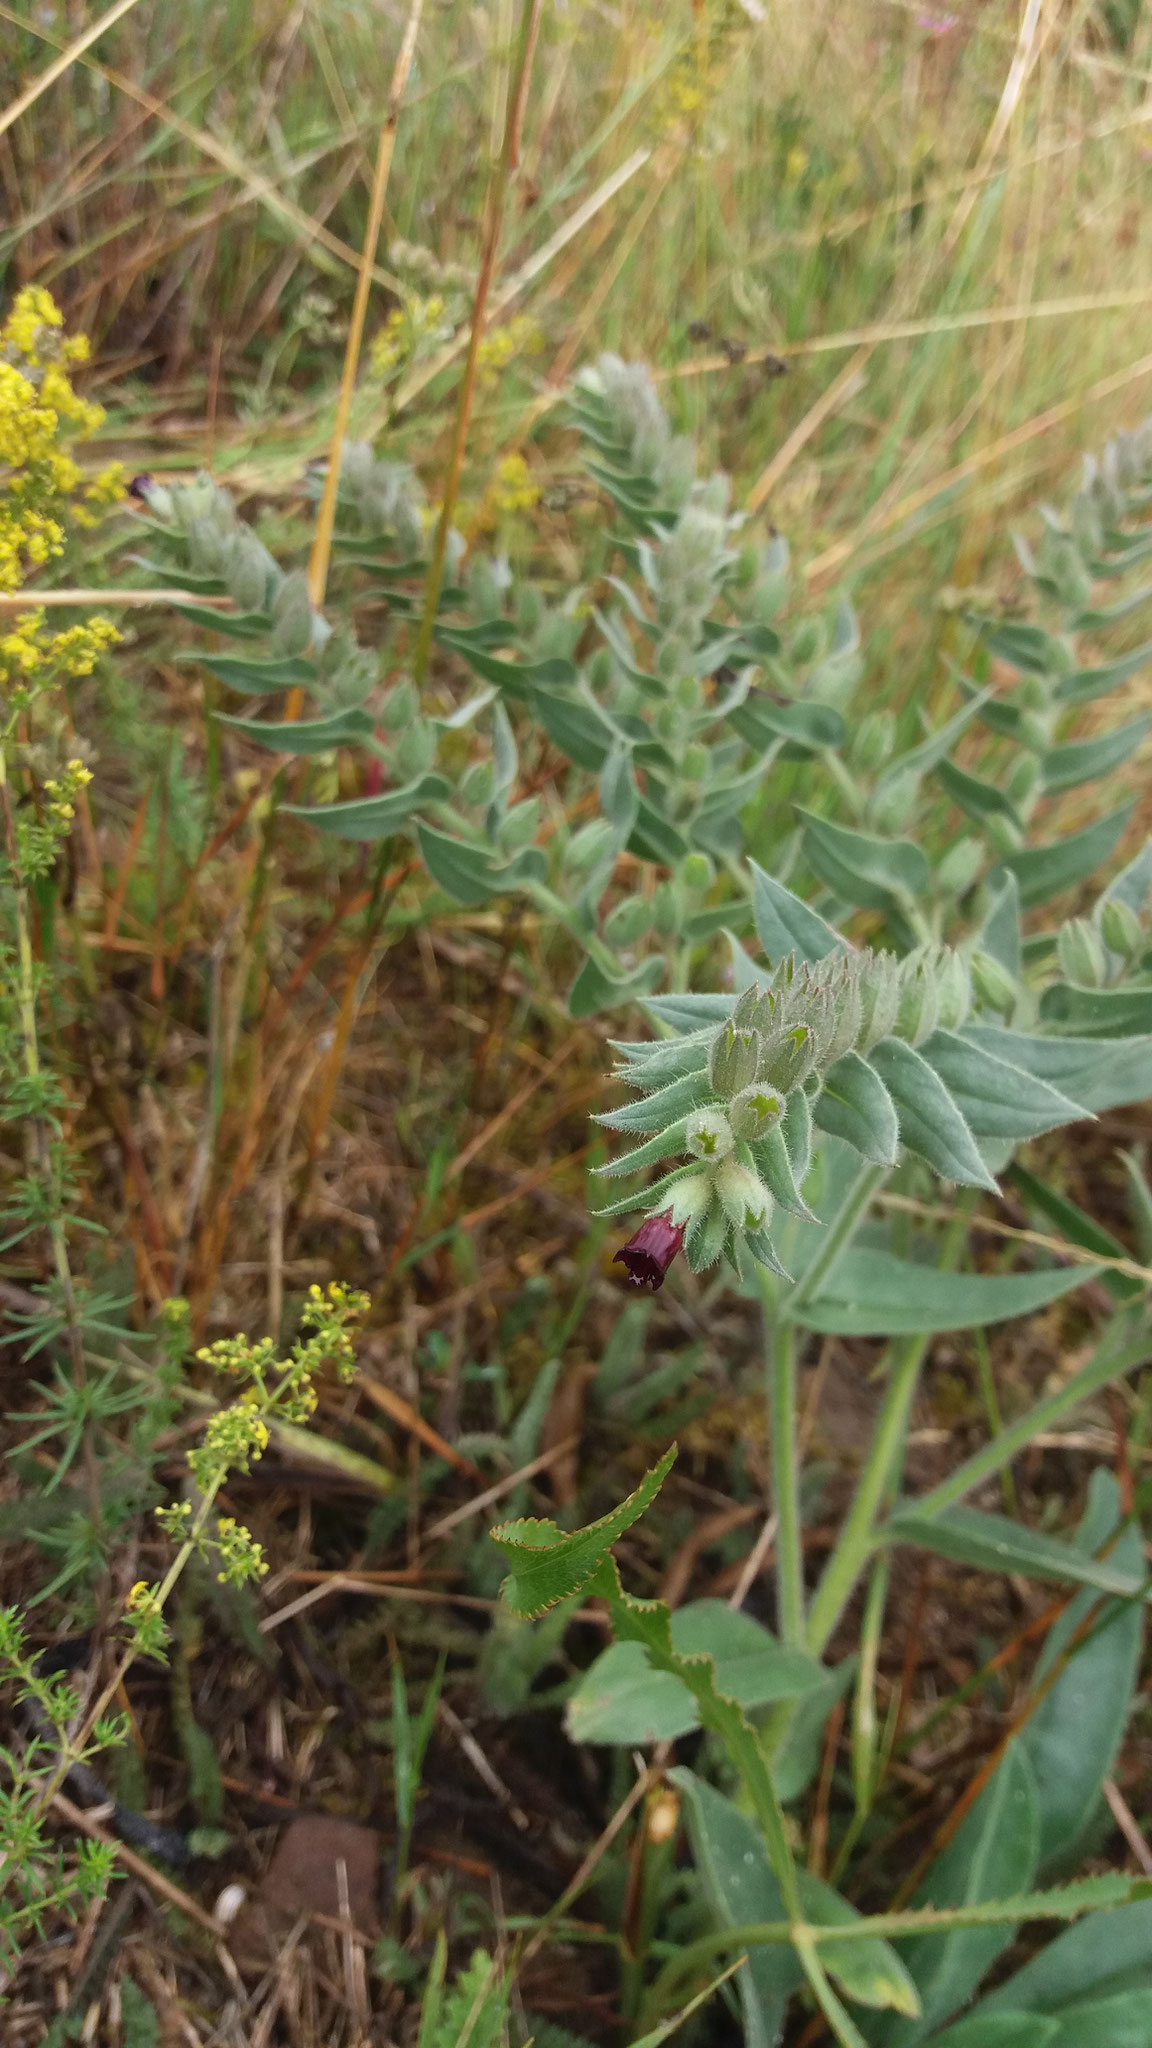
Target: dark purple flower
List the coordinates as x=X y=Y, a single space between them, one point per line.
x=648 y=1255
x=138 y=488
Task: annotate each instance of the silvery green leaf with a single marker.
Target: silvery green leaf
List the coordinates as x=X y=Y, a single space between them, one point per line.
x=1098 y=1074
x=774 y=1166
x=784 y=924
x=930 y=1122
x=664 y=1145
x=1000 y=933
x=649 y=1198
x=862 y=868
x=933 y=749
x=797 y=1129
x=688 y=1012
x=1046 y=871
x=856 y=1106
x=1085 y=684
x=653 y=1061
x=995 y=1098
x=745 y=971
x=593 y=990
x=656 y=1112
x=978 y=798
x=1067 y=767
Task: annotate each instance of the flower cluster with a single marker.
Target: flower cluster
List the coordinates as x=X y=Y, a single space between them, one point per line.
x=408 y=328
x=514 y=488
x=40 y=416
x=501 y=345
x=738 y=1097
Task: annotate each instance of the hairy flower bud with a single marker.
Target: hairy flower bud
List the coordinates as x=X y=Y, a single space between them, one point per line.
x=960 y=867
x=879 y=1001
x=628 y=922
x=755 y=1111
x=587 y=846
x=708 y=1134
x=847 y=1013
x=1120 y=928
x=953 y=990
x=733 y=1058
x=742 y=1196
x=666 y=910
x=697 y=871
x=788 y=1059
x=873 y=740
x=892 y=804
x=992 y=983
x=1082 y=956
x=292 y=615
x=919 y=1003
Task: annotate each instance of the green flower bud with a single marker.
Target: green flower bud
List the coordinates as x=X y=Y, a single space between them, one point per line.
x=733 y=1057
x=292 y=615
x=873 y=740
x=706 y=1237
x=668 y=724
x=892 y=803
x=697 y=872
x=1023 y=777
x=847 y=1015
x=694 y=762
x=518 y=826
x=415 y=749
x=1120 y=928
x=666 y=910
x=399 y=707
x=807 y=641
x=588 y=846
x=953 y=990
x=879 y=1001
x=476 y=783
x=919 y=1008
x=600 y=669
x=691 y=1197
x=689 y=693
x=628 y=922
x=742 y=1196
x=1082 y=956
x=708 y=1134
x=787 y=1059
x=1032 y=693
x=960 y=866
x=248 y=574
x=1036 y=730
x=755 y=1111
x=1006 y=837
x=992 y=983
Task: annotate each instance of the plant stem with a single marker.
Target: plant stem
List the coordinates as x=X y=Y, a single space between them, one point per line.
x=840 y=1233
x=781 y=1348
x=497 y=199
x=30 y=1049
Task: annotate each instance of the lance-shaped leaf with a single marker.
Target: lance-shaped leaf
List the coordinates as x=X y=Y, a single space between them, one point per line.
x=1086 y=683
x=233 y=625
x=253 y=678
x=549 y=1566
x=1085 y=760
x=1080 y=1228
x=689 y=1012
x=1097 y=1012
x=469 y=874
x=774 y=1166
x=1045 y=871
x=1021 y=646
x=593 y=990
x=930 y=1123
x=979 y=798
x=786 y=925
x=995 y=1543
x=653 y=1061
x=668 y=1105
x=665 y=1145
x=861 y=867
x=872 y=1293
x=372 y=817
x=302 y=735
x=1096 y=1073
x=855 y=1105
x=995 y=1098
x=797 y=1129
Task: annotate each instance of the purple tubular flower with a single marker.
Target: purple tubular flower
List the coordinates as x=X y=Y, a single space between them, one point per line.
x=648 y=1255
x=138 y=488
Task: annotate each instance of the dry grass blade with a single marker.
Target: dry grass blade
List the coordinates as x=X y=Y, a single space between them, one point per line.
x=62 y=63
x=322 y=541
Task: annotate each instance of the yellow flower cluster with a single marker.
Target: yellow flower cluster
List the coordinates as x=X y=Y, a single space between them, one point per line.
x=26 y=647
x=519 y=337
x=40 y=415
x=515 y=488
x=60 y=793
x=417 y=320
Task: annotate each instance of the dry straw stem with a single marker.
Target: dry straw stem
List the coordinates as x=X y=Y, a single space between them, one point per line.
x=62 y=63
x=33 y=600
x=262 y=190
x=322 y=543
x=497 y=198
x=1075 y=1254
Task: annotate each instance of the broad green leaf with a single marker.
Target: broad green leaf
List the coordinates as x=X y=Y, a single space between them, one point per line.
x=978 y=798
x=593 y=990
x=855 y=1105
x=876 y=868
x=1097 y=1012
x=1074 y=1733
x=621 y=1699
x=576 y=727
x=808 y=727
x=1097 y=1074
x=992 y=1855
x=871 y=1293
x=1109 y=1953
x=1133 y=883
x=797 y=1760
x=653 y=838
x=786 y=925
x=1079 y=1229
x=468 y=873
x=920 y=759
x=1000 y=2030
x=548 y=1565
x=372 y=817
x=866 y=1968
x=995 y=1543
x=996 y=1099
x=1045 y=871
x=741 y=1889
x=619 y=796
x=1124 y=2021
x=517 y=678
x=253 y=678
x=1085 y=760
x=930 y=1122
x=303 y=735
